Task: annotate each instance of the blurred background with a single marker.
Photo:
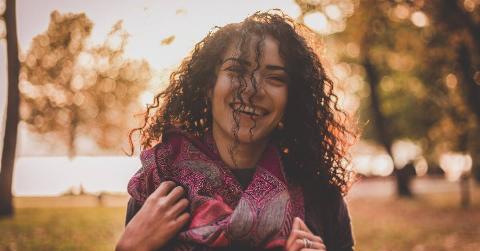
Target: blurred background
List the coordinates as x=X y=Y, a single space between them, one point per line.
x=75 y=75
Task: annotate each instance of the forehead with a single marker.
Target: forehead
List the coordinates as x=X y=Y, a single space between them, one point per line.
x=270 y=51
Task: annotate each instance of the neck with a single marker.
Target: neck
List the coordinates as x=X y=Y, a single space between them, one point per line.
x=246 y=155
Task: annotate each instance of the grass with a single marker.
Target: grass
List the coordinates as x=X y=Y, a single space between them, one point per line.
x=95 y=228
x=433 y=222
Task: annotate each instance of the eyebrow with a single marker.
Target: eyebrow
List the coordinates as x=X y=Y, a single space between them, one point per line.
x=275 y=68
x=238 y=60
x=245 y=62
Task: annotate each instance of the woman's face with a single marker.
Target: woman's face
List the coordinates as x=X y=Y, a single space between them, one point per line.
x=269 y=102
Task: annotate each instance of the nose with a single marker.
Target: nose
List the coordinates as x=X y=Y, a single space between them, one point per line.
x=254 y=86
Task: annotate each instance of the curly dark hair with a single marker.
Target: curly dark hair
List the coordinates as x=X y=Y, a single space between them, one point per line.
x=314 y=137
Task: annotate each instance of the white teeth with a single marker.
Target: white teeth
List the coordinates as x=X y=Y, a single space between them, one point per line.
x=248 y=109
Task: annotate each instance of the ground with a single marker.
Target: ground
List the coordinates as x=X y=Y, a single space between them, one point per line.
x=434 y=222
x=431 y=221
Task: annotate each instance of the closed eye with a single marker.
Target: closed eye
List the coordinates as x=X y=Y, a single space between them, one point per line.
x=278 y=79
x=235 y=69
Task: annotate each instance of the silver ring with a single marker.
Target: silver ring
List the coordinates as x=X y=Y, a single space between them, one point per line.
x=307 y=243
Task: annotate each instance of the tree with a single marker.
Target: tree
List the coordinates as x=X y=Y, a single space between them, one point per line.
x=10 y=138
x=418 y=64
x=70 y=91
x=459 y=23
x=368 y=30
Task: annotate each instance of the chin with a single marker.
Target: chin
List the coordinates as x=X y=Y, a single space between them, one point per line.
x=245 y=137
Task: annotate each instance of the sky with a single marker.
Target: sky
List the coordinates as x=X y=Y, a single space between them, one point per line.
x=148 y=22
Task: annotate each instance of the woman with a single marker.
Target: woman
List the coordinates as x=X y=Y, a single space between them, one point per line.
x=252 y=149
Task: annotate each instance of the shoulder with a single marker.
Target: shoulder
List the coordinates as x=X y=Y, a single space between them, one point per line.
x=327 y=214
x=327 y=206
x=155 y=164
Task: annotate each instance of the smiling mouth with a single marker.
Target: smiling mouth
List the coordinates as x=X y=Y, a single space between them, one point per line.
x=249 y=110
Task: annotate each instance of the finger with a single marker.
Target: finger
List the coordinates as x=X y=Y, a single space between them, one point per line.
x=296 y=223
x=175 y=195
x=178 y=207
x=318 y=245
x=300 y=234
x=298 y=244
x=303 y=226
x=181 y=220
x=163 y=189
x=291 y=237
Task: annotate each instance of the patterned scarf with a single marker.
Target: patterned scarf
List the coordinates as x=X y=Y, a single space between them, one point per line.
x=222 y=213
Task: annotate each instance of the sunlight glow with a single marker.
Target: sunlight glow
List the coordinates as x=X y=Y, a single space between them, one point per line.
x=147 y=98
x=373 y=164
x=85 y=60
x=382 y=165
x=318 y=22
x=455 y=165
x=33 y=175
x=148 y=33
x=421 y=166
x=405 y=151
x=333 y=12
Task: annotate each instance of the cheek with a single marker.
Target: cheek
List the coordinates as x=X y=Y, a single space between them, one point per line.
x=222 y=87
x=220 y=94
x=280 y=98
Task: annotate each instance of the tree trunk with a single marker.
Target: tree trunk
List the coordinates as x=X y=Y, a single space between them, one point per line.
x=471 y=92
x=72 y=133
x=470 y=88
x=379 y=120
x=465 y=196
x=13 y=102
x=402 y=176
x=462 y=146
x=459 y=22
x=71 y=141
x=472 y=96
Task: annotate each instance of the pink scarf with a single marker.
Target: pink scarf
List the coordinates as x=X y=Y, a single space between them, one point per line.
x=223 y=214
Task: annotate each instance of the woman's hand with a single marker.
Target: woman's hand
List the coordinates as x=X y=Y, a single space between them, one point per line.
x=301 y=238
x=159 y=220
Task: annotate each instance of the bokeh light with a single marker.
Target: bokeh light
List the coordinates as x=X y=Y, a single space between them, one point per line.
x=419 y=19
x=455 y=165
